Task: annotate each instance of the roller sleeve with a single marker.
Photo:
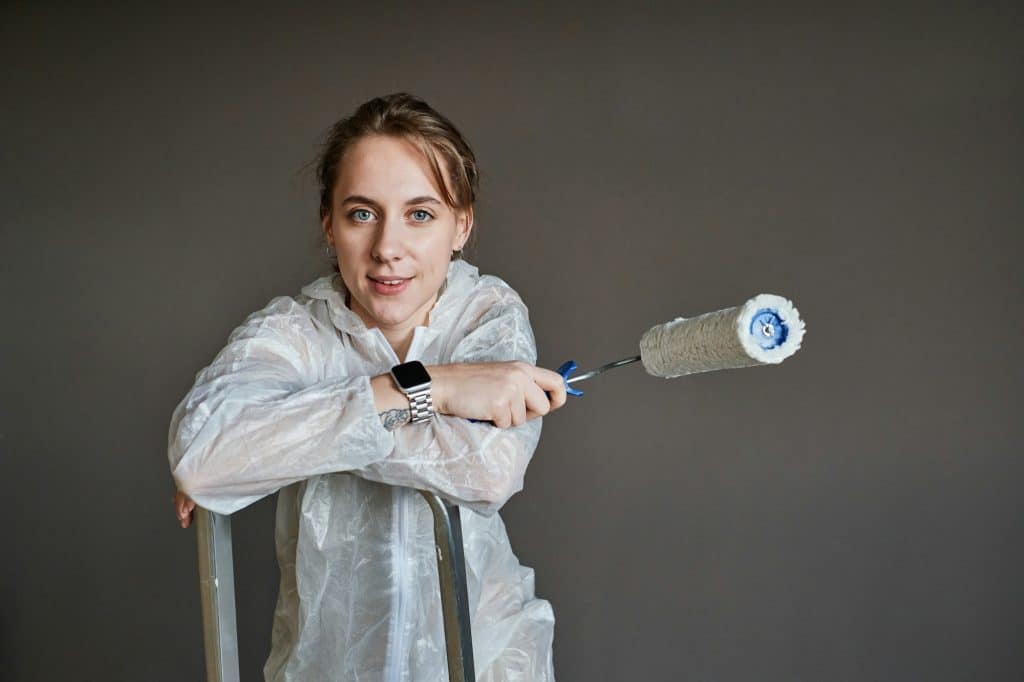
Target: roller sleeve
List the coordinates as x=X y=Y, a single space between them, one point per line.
x=766 y=329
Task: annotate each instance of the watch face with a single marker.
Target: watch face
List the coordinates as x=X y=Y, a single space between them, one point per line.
x=409 y=375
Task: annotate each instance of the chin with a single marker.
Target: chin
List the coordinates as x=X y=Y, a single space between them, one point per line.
x=391 y=317
x=394 y=311
x=390 y=313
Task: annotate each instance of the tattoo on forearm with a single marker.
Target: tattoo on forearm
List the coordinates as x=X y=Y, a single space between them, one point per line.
x=394 y=418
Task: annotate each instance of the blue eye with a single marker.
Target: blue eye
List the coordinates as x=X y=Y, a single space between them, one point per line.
x=421 y=216
x=361 y=215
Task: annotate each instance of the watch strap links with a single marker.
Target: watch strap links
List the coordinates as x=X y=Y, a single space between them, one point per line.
x=421 y=406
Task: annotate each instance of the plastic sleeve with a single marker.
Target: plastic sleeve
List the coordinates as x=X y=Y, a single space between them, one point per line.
x=476 y=465
x=259 y=417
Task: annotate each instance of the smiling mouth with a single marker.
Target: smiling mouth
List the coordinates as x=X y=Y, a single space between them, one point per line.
x=390 y=281
x=389 y=287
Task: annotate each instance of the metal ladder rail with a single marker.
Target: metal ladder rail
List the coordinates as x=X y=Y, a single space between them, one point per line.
x=217 y=592
x=451 y=573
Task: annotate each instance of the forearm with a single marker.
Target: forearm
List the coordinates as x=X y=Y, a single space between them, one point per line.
x=476 y=465
x=393 y=406
x=479 y=465
x=238 y=441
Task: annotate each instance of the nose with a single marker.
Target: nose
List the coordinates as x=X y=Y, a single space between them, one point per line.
x=388 y=243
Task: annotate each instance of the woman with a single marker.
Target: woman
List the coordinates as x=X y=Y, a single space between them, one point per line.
x=324 y=398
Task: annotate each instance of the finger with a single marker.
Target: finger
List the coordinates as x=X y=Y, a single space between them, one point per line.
x=547 y=379
x=503 y=419
x=557 y=395
x=553 y=384
x=536 y=401
x=518 y=412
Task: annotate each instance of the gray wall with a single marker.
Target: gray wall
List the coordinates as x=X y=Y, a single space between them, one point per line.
x=850 y=515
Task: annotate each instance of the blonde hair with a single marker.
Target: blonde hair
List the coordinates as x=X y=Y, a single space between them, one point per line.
x=407 y=116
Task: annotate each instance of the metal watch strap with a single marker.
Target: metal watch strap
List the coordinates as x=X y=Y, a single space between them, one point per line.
x=421 y=406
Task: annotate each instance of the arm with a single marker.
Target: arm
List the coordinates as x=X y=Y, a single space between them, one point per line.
x=259 y=418
x=477 y=465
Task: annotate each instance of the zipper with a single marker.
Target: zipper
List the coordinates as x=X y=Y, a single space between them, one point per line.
x=396 y=659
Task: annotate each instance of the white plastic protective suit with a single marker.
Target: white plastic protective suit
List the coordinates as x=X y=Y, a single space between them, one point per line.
x=287 y=407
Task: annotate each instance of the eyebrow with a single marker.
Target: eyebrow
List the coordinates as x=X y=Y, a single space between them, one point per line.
x=358 y=199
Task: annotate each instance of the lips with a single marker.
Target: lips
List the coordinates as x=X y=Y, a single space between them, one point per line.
x=389 y=280
x=389 y=287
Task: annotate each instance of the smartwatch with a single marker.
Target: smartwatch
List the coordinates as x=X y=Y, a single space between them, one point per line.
x=413 y=380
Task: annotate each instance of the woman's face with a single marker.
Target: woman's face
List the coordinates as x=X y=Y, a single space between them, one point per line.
x=393 y=233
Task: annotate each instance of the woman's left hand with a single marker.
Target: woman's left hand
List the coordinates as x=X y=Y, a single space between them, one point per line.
x=183 y=506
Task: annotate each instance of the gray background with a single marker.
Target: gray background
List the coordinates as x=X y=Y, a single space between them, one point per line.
x=850 y=515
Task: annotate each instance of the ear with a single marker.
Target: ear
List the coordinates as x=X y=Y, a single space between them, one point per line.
x=464 y=225
x=325 y=225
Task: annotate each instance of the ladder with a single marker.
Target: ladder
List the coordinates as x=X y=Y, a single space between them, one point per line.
x=217 y=592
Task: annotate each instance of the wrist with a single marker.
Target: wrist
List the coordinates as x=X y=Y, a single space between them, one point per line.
x=386 y=395
x=439 y=387
x=415 y=382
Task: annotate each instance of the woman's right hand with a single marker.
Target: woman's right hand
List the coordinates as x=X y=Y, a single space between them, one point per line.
x=183 y=506
x=504 y=393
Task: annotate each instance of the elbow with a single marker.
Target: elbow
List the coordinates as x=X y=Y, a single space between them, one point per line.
x=214 y=495
x=196 y=474
x=500 y=491
x=511 y=482
x=209 y=466
x=180 y=439
x=191 y=470
x=509 y=455
x=186 y=483
x=188 y=480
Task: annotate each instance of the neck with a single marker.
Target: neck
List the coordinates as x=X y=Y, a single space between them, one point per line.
x=398 y=337
x=400 y=344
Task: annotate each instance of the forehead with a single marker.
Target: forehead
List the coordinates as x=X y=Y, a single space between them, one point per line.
x=382 y=166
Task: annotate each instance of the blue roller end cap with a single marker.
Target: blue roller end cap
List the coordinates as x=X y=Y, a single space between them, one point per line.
x=768 y=329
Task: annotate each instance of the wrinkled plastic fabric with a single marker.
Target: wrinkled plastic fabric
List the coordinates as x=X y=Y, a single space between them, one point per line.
x=287 y=407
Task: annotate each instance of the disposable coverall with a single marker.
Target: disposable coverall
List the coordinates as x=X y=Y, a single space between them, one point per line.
x=287 y=406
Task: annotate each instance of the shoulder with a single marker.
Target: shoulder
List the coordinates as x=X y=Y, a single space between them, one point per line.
x=281 y=315
x=483 y=292
x=297 y=322
x=286 y=335
x=498 y=290
x=493 y=323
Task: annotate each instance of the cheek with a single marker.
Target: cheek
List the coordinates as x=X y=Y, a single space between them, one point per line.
x=351 y=245
x=439 y=253
x=442 y=241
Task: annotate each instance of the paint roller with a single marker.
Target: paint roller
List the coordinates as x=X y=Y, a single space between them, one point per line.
x=765 y=330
